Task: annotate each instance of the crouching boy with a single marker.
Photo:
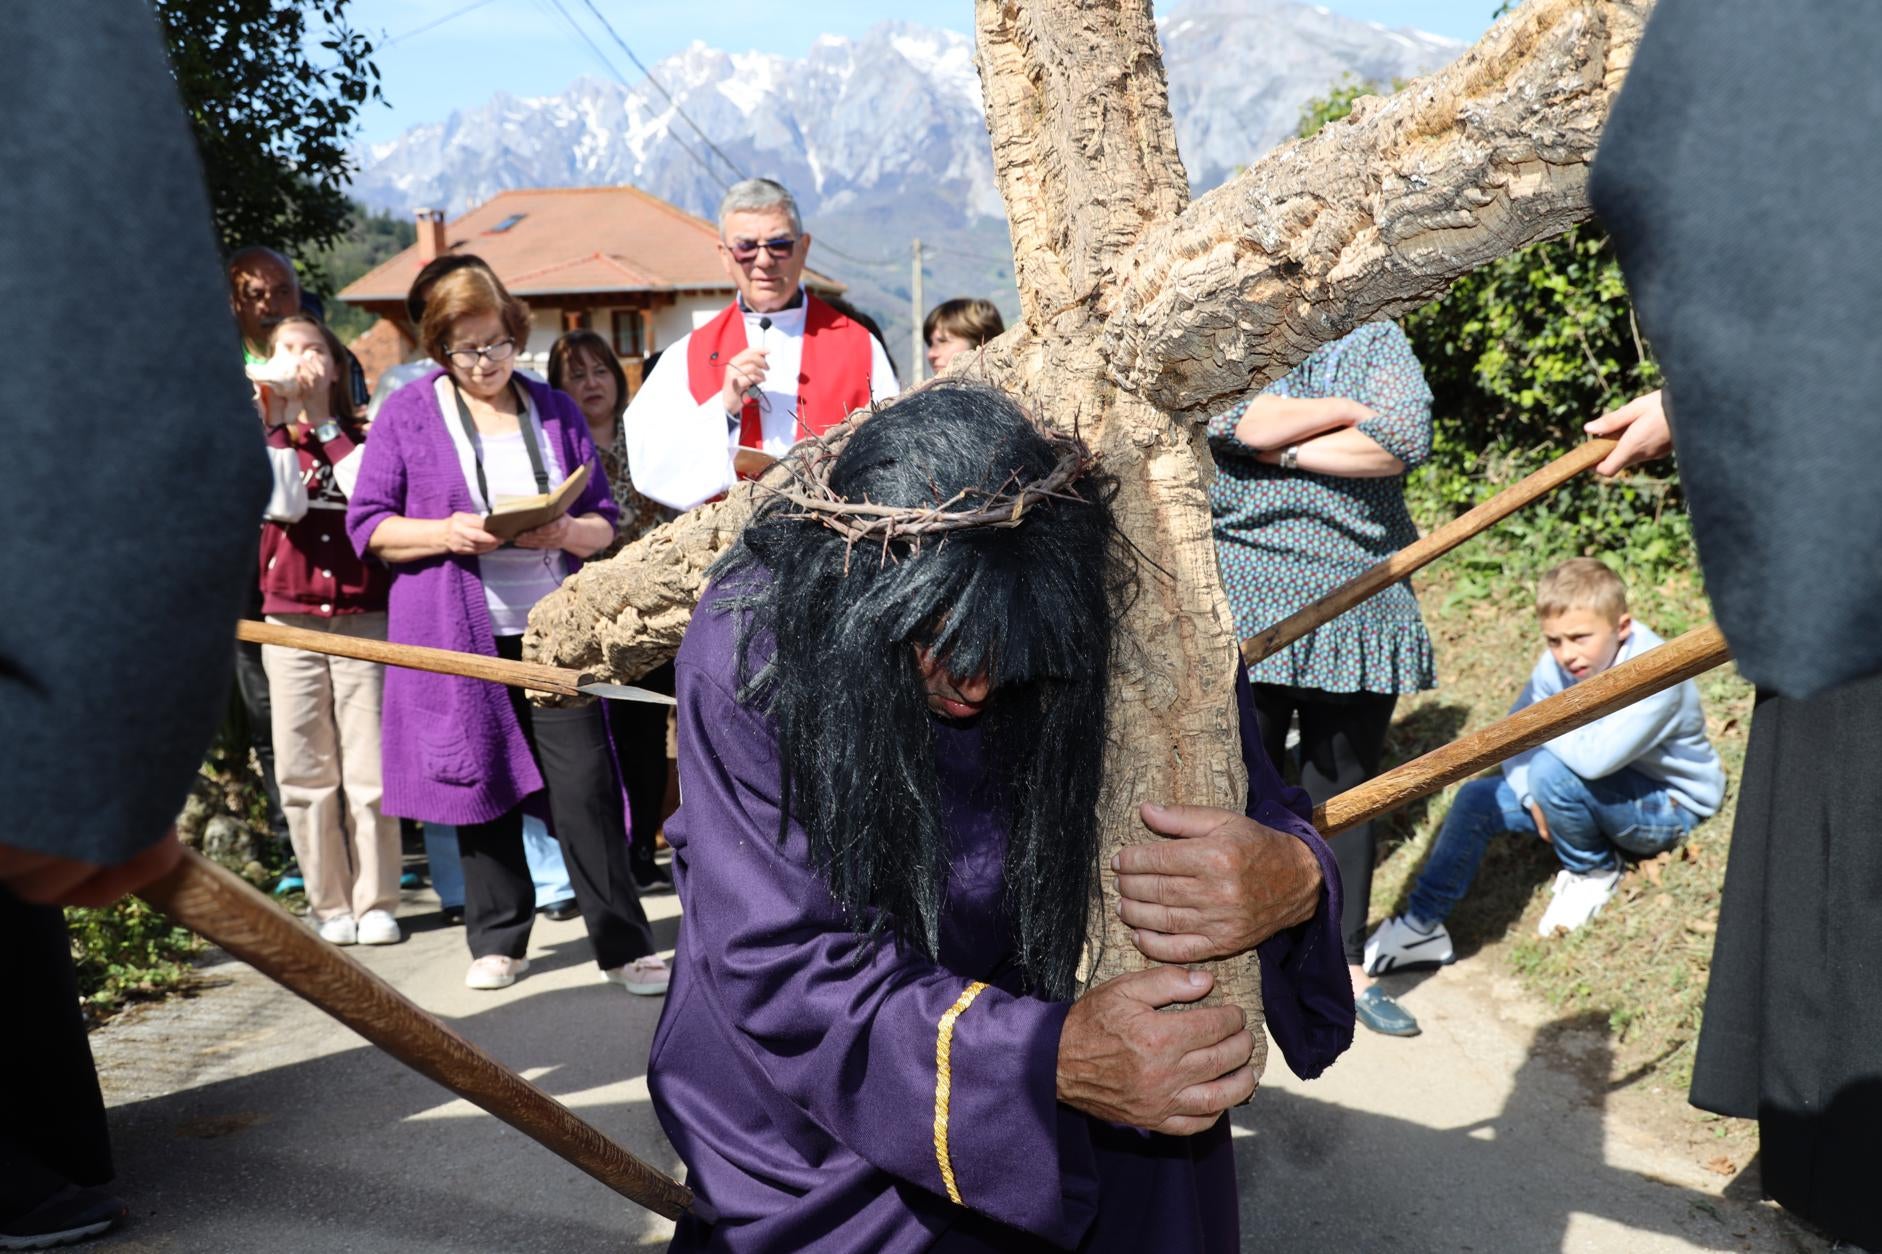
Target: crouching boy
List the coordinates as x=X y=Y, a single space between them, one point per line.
x=1634 y=783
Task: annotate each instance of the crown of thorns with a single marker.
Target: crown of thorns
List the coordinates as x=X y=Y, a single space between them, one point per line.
x=807 y=495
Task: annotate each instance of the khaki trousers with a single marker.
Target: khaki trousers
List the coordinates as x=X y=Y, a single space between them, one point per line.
x=326 y=753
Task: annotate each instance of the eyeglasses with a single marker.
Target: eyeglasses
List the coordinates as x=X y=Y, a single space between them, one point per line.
x=256 y=293
x=746 y=250
x=467 y=358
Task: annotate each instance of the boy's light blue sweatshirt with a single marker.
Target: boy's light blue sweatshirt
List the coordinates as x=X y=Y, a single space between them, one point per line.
x=1662 y=736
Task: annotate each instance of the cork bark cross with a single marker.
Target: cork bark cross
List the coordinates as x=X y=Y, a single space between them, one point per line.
x=1142 y=312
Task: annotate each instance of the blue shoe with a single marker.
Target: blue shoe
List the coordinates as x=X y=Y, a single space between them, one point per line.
x=409 y=880
x=290 y=882
x=1376 y=1009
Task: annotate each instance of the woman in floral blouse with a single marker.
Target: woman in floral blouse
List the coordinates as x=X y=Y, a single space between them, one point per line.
x=583 y=364
x=1309 y=492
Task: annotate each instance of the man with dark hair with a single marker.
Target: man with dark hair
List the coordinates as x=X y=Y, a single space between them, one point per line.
x=892 y=731
x=263 y=289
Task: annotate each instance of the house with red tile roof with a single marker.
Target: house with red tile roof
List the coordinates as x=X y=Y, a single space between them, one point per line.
x=615 y=260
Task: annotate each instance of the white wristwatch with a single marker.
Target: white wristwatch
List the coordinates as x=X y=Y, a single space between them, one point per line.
x=1290 y=457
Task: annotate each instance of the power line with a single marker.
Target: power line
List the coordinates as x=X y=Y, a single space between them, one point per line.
x=988 y=258
x=861 y=261
x=435 y=22
x=703 y=164
x=615 y=35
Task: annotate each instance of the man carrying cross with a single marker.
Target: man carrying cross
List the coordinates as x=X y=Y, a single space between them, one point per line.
x=775 y=365
x=892 y=731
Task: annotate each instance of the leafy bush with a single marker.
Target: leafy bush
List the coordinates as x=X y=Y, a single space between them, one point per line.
x=125 y=951
x=1519 y=355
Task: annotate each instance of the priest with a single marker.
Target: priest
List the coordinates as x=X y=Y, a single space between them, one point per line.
x=775 y=365
x=892 y=730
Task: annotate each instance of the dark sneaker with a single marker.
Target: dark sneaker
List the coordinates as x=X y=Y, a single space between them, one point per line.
x=653 y=879
x=561 y=911
x=1376 y=1009
x=68 y=1216
x=1398 y=946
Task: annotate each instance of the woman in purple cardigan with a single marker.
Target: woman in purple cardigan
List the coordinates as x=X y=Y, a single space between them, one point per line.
x=464 y=751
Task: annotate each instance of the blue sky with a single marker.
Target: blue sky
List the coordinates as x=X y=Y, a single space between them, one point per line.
x=526 y=47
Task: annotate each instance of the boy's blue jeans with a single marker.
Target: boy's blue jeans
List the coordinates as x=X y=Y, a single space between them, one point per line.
x=1591 y=822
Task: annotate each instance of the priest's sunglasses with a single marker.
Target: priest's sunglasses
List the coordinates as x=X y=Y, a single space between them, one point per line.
x=745 y=251
x=467 y=358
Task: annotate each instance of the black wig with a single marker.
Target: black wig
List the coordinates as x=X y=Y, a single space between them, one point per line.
x=1032 y=606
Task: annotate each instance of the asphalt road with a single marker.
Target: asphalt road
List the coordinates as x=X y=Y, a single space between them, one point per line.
x=246 y=1120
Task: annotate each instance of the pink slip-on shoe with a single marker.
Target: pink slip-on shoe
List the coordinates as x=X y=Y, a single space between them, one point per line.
x=493 y=971
x=644 y=977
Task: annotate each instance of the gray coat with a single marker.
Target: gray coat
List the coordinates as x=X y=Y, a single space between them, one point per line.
x=133 y=475
x=1740 y=177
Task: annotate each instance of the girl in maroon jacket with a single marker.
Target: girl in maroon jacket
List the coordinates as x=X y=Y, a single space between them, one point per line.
x=326 y=709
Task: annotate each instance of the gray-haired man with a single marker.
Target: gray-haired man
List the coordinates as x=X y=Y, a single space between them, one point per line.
x=775 y=366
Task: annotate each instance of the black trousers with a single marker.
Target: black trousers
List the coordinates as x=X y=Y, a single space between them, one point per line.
x=52 y=1117
x=256 y=713
x=1342 y=736
x=254 y=709
x=640 y=745
x=1793 y=1029
x=571 y=749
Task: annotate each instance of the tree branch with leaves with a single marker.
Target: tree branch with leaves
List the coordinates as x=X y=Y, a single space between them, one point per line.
x=274 y=91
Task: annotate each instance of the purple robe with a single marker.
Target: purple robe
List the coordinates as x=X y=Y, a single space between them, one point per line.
x=795 y=1067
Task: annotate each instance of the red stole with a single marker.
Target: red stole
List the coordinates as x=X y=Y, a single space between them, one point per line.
x=832 y=376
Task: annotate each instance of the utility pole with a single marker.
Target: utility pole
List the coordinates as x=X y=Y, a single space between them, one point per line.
x=920 y=367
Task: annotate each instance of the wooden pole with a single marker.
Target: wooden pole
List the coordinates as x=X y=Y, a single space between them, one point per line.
x=1421 y=553
x=222 y=907
x=1694 y=653
x=531 y=675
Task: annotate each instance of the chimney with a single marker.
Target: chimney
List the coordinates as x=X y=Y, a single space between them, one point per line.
x=431 y=243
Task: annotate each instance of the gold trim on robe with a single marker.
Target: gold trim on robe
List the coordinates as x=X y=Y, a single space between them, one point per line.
x=943 y=1084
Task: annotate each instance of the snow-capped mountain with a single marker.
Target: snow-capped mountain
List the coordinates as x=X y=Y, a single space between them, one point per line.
x=882 y=138
x=1240 y=70
x=897 y=109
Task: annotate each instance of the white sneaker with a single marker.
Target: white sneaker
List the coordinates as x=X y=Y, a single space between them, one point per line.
x=644 y=977
x=493 y=971
x=339 y=930
x=1398 y=946
x=378 y=927
x=1578 y=898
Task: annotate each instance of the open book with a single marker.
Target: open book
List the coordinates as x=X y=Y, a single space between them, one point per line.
x=517 y=514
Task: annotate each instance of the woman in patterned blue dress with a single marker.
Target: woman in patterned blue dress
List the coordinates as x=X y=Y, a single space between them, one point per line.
x=1309 y=492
